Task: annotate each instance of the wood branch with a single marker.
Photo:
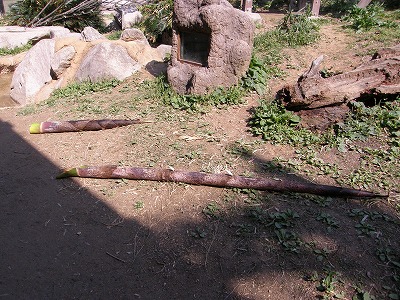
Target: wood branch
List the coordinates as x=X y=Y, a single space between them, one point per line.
x=380 y=75
x=216 y=180
x=80 y=125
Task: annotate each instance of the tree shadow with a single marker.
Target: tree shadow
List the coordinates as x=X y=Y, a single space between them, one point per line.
x=61 y=241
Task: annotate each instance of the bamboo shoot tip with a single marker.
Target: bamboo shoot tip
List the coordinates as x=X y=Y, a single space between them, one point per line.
x=34 y=128
x=68 y=173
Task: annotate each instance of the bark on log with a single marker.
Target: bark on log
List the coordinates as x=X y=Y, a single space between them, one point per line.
x=80 y=125
x=216 y=180
x=380 y=75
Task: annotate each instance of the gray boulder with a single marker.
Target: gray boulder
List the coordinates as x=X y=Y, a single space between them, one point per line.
x=133 y=34
x=89 y=34
x=130 y=19
x=62 y=60
x=164 y=50
x=106 y=61
x=33 y=72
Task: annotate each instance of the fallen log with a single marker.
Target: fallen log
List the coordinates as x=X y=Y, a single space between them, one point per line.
x=380 y=75
x=216 y=180
x=80 y=125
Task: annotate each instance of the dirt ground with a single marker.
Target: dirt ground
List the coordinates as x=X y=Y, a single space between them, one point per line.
x=102 y=239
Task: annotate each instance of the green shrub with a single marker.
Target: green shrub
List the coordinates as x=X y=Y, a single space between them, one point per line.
x=157 y=18
x=274 y=123
x=73 y=14
x=365 y=19
x=298 y=30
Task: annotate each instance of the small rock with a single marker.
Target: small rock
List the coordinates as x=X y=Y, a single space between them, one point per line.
x=62 y=60
x=133 y=34
x=164 y=50
x=90 y=34
x=130 y=19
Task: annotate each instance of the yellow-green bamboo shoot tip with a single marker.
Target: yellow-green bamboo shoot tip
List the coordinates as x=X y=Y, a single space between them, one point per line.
x=34 y=128
x=68 y=173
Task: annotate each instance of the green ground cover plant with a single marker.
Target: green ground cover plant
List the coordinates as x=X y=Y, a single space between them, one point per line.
x=16 y=50
x=365 y=19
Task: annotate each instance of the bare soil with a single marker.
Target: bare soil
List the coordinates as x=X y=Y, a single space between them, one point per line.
x=102 y=239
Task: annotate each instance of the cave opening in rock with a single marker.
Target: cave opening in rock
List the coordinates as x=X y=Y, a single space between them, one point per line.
x=194 y=47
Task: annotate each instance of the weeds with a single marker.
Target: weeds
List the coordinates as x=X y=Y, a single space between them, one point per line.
x=327 y=219
x=16 y=50
x=365 y=19
x=277 y=125
x=160 y=89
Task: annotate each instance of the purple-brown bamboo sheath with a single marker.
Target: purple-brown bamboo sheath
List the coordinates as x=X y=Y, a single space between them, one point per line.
x=217 y=180
x=80 y=125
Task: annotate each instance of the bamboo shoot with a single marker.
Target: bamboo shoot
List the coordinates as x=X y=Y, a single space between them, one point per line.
x=216 y=180
x=80 y=125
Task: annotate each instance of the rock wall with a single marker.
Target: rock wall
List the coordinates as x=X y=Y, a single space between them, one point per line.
x=231 y=39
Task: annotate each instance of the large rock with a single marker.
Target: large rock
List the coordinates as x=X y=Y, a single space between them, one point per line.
x=16 y=36
x=62 y=60
x=219 y=40
x=33 y=72
x=106 y=61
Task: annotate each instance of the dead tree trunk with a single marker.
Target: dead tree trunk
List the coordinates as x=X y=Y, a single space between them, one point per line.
x=380 y=75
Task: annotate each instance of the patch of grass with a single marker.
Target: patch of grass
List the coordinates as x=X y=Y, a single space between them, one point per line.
x=16 y=50
x=298 y=30
x=289 y=240
x=212 y=210
x=220 y=97
x=115 y=35
x=277 y=125
x=327 y=219
x=366 y=19
x=27 y=110
x=76 y=90
x=138 y=205
x=364 y=122
x=378 y=168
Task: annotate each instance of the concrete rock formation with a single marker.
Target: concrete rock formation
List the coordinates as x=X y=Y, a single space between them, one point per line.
x=54 y=63
x=33 y=72
x=230 y=36
x=106 y=61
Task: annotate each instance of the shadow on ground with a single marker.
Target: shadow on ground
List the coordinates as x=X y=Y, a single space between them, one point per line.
x=58 y=241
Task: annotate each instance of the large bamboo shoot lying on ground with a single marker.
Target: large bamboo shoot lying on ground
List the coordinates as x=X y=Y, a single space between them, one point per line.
x=80 y=125
x=217 y=180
